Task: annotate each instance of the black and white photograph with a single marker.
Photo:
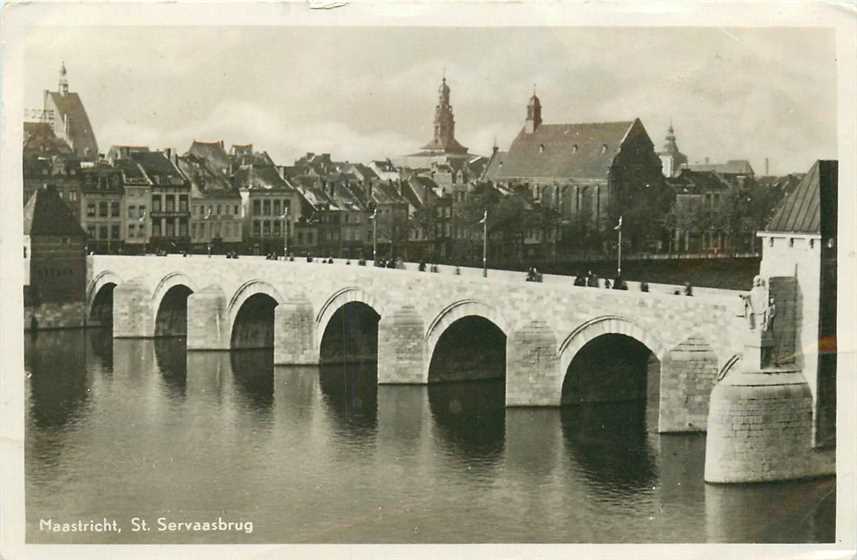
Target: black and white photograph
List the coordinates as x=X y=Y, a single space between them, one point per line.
x=338 y=282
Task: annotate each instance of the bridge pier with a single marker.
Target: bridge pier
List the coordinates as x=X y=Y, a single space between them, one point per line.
x=132 y=311
x=688 y=374
x=294 y=329
x=207 y=323
x=532 y=367
x=401 y=348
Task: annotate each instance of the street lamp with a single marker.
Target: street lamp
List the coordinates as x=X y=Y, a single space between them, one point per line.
x=142 y=222
x=286 y=234
x=619 y=257
x=374 y=236
x=484 y=222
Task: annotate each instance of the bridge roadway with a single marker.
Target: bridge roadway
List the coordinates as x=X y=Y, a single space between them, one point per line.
x=545 y=324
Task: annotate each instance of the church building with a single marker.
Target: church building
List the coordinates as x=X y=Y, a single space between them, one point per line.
x=585 y=171
x=64 y=110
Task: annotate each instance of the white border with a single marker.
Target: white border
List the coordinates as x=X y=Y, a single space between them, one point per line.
x=17 y=18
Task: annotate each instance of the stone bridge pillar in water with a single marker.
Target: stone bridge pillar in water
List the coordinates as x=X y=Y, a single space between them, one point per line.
x=294 y=333
x=532 y=366
x=688 y=374
x=207 y=322
x=401 y=347
x=132 y=310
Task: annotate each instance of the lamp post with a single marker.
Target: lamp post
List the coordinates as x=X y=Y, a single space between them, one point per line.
x=619 y=255
x=484 y=222
x=285 y=218
x=142 y=221
x=208 y=232
x=373 y=217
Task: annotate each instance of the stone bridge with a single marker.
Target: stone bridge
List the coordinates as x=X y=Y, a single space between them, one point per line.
x=554 y=343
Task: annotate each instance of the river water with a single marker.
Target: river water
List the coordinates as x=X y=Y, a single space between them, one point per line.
x=140 y=429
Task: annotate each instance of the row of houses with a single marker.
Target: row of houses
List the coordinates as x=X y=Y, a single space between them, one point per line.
x=559 y=189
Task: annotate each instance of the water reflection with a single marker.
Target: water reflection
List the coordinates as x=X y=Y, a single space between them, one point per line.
x=608 y=442
x=788 y=512
x=59 y=386
x=350 y=393
x=253 y=376
x=171 y=357
x=101 y=344
x=470 y=417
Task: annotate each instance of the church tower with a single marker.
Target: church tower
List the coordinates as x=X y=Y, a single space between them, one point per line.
x=534 y=114
x=62 y=87
x=444 y=125
x=672 y=160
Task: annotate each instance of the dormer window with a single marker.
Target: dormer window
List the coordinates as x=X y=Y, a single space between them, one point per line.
x=541 y=148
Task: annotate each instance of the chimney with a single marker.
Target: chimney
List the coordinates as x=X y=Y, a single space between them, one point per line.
x=767 y=167
x=370 y=190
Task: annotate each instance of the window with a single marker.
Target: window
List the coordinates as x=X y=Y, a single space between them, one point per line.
x=142 y=211
x=156 y=228
x=103 y=232
x=791 y=241
x=277 y=210
x=257 y=207
x=170 y=228
x=235 y=209
x=183 y=203
x=171 y=203
x=156 y=203
x=183 y=227
x=90 y=210
x=114 y=209
x=257 y=229
x=266 y=207
x=25 y=252
x=114 y=231
x=276 y=227
x=219 y=209
x=72 y=195
x=770 y=242
x=266 y=228
x=90 y=231
x=812 y=243
x=132 y=231
x=102 y=209
x=132 y=212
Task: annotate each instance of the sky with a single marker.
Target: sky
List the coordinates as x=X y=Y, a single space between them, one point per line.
x=369 y=93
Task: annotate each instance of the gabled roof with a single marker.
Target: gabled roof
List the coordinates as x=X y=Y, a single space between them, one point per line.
x=70 y=108
x=698 y=182
x=211 y=151
x=204 y=180
x=801 y=211
x=574 y=150
x=39 y=139
x=731 y=167
x=157 y=164
x=265 y=177
x=46 y=214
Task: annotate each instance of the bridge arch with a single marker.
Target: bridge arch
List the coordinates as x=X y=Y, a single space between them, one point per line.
x=369 y=315
x=626 y=331
x=464 y=309
x=254 y=292
x=104 y=279
x=169 y=304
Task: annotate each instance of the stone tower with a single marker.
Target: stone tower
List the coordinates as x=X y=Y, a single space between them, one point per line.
x=62 y=86
x=534 y=114
x=444 y=125
x=672 y=160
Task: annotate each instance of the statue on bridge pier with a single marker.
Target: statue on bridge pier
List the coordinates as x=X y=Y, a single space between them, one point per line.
x=759 y=310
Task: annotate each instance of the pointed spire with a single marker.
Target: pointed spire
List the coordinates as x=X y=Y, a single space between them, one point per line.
x=63 y=81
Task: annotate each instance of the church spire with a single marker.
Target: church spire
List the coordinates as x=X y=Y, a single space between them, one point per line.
x=63 y=81
x=534 y=113
x=444 y=123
